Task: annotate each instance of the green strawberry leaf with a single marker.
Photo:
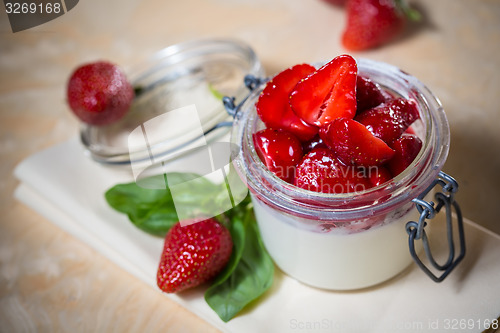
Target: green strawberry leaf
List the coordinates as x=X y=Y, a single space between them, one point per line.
x=412 y=14
x=249 y=272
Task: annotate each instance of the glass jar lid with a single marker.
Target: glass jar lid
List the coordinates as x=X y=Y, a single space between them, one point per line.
x=177 y=103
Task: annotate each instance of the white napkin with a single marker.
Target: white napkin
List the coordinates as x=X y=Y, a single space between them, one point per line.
x=67 y=187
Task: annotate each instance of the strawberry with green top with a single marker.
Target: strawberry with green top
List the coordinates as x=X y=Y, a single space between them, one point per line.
x=193 y=254
x=371 y=23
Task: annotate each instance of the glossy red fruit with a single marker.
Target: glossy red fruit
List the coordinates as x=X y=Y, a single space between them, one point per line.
x=99 y=93
x=391 y=119
x=354 y=144
x=279 y=150
x=371 y=23
x=379 y=175
x=407 y=148
x=321 y=171
x=273 y=106
x=368 y=94
x=193 y=255
x=328 y=93
x=313 y=143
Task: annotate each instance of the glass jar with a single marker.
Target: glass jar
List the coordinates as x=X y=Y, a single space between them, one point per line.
x=190 y=77
x=344 y=241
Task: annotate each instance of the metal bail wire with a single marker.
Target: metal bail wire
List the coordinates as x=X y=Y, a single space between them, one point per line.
x=251 y=82
x=427 y=209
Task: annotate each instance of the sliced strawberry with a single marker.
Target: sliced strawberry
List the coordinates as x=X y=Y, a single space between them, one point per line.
x=391 y=119
x=368 y=94
x=273 y=106
x=379 y=175
x=321 y=171
x=313 y=143
x=193 y=254
x=279 y=150
x=328 y=93
x=407 y=148
x=371 y=23
x=354 y=144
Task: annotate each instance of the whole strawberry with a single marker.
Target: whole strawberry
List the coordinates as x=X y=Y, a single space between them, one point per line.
x=193 y=254
x=99 y=93
x=371 y=23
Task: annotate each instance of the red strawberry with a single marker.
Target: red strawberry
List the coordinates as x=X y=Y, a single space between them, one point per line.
x=193 y=254
x=279 y=150
x=321 y=171
x=389 y=120
x=354 y=144
x=379 y=175
x=311 y=144
x=407 y=148
x=273 y=106
x=368 y=94
x=328 y=93
x=371 y=23
x=99 y=93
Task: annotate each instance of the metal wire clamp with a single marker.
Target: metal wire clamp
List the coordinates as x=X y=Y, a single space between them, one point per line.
x=428 y=209
x=251 y=82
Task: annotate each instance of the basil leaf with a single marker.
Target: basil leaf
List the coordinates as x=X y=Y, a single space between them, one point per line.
x=248 y=274
x=150 y=210
x=153 y=210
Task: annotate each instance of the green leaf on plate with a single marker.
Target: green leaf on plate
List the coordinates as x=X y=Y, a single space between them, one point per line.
x=150 y=210
x=153 y=210
x=249 y=272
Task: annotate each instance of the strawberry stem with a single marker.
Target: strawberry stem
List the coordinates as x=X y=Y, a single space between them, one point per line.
x=409 y=12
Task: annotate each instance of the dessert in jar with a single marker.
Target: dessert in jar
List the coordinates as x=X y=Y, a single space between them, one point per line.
x=343 y=229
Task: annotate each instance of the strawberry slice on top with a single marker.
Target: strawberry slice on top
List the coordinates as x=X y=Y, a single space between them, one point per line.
x=391 y=119
x=407 y=148
x=273 y=106
x=379 y=175
x=279 y=150
x=321 y=171
x=368 y=94
x=328 y=93
x=354 y=144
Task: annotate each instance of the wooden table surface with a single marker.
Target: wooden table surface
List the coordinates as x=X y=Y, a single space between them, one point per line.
x=50 y=281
